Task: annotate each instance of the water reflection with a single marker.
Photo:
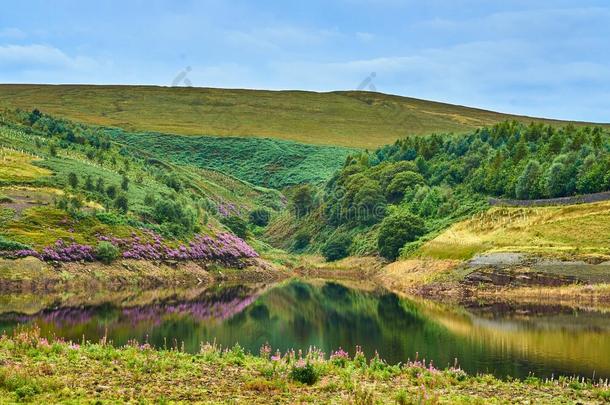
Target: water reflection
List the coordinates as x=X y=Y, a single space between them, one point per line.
x=501 y=339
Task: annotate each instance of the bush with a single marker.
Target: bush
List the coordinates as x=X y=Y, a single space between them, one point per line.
x=237 y=225
x=396 y=230
x=301 y=241
x=10 y=245
x=304 y=373
x=106 y=252
x=110 y=218
x=303 y=200
x=122 y=203
x=337 y=248
x=178 y=219
x=260 y=217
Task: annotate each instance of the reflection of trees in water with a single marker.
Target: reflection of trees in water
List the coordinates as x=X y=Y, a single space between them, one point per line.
x=259 y=312
x=390 y=308
x=219 y=305
x=298 y=314
x=302 y=291
x=336 y=292
x=60 y=317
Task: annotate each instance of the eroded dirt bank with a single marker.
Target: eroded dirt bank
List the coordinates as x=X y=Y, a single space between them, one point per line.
x=502 y=276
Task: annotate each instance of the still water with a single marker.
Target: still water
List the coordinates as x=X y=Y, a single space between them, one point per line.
x=499 y=339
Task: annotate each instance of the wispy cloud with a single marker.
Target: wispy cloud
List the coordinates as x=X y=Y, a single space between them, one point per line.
x=40 y=56
x=547 y=57
x=11 y=33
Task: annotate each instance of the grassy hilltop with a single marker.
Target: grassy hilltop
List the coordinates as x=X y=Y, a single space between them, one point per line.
x=348 y=118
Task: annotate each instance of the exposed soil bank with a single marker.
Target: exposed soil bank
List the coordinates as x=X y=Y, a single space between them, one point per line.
x=31 y=274
x=501 y=276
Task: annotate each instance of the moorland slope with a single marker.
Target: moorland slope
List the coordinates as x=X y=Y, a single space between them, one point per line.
x=344 y=118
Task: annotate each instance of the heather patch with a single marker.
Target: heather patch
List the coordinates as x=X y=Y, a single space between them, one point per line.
x=225 y=248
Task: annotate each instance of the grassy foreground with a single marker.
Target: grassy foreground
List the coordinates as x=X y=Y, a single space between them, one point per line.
x=350 y=118
x=33 y=369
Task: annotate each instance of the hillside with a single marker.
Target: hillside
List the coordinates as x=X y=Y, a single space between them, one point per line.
x=264 y=162
x=69 y=193
x=350 y=118
x=569 y=230
x=393 y=200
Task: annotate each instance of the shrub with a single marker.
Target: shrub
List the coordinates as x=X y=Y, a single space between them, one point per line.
x=396 y=230
x=125 y=183
x=260 y=217
x=122 y=203
x=301 y=241
x=106 y=252
x=110 y=218
x=304 y=372
x=172 y=181
x=111 y=191
x=10 y=245
x=237 y=225
x=179 y=219
x=72 y=180
x=337 y=248
x=303 y=200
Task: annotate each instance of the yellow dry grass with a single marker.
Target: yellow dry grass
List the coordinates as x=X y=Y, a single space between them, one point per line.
x=17 y=166
x=574 y=229
x=405 y=275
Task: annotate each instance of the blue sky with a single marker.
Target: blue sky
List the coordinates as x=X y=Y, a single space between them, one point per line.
x=541 y=58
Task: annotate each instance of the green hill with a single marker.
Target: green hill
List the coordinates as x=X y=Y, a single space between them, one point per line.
x=393 y=200
x=350 y=118
x=68 y=182
x=264 y=162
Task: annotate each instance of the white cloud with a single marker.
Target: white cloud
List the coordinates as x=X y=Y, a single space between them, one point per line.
x=40 y=56
x=507 y=75
x=12 y=33
x=365 y=36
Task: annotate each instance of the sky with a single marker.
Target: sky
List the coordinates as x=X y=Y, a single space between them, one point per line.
x=547 y=58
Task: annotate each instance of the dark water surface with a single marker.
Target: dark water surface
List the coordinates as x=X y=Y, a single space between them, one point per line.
x=500 y=339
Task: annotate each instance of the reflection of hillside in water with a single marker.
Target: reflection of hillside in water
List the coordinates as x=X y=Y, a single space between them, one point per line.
x=218 y=307
x=215 y=304
x=553 y=337
x=505 y=339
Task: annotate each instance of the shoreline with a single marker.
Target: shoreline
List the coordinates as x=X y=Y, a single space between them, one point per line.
x=501 y=277
x=32 y=274
x=484 y=278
